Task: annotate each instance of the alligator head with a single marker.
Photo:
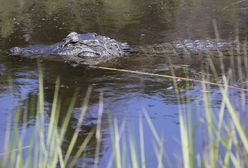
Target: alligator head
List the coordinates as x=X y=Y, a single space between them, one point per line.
x=89 y=48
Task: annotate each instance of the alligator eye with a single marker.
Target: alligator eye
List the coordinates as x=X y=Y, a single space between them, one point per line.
x=73 y=42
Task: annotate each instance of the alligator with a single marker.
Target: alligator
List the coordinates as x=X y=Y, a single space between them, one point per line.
x=92 y=49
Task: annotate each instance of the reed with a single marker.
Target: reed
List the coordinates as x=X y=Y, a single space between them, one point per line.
x=226 y=142
x=44 y=146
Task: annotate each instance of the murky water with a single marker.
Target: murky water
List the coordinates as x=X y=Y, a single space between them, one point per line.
x=138 y=22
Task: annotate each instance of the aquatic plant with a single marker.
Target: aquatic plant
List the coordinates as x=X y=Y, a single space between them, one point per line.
x=225 y=142
x=41 y=143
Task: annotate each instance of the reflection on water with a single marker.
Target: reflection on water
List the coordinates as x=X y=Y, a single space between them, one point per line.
x=136 y=21
x=125 y=94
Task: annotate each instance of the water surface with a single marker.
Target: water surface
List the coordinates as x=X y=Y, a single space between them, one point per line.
x=126 y=95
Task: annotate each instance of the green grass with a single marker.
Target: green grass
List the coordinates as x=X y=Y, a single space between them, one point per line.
x=226 y=142
x=44 y=147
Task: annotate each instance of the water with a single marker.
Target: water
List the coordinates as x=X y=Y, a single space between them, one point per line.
x=126 y=95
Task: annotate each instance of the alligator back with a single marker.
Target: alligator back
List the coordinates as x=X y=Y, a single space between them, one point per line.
x=190 y=47
x=93 y=49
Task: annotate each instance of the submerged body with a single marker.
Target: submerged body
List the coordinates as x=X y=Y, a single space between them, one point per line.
x=93 y=49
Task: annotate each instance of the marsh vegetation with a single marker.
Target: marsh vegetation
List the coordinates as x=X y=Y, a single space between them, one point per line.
x=139 y=111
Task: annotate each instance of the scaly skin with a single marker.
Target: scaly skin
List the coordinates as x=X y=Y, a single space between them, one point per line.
x=93 y=49
x=190 y=47
x=88 y=48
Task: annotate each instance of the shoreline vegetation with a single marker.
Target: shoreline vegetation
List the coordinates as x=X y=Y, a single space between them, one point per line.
x=212 y=137
x=225 y=141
